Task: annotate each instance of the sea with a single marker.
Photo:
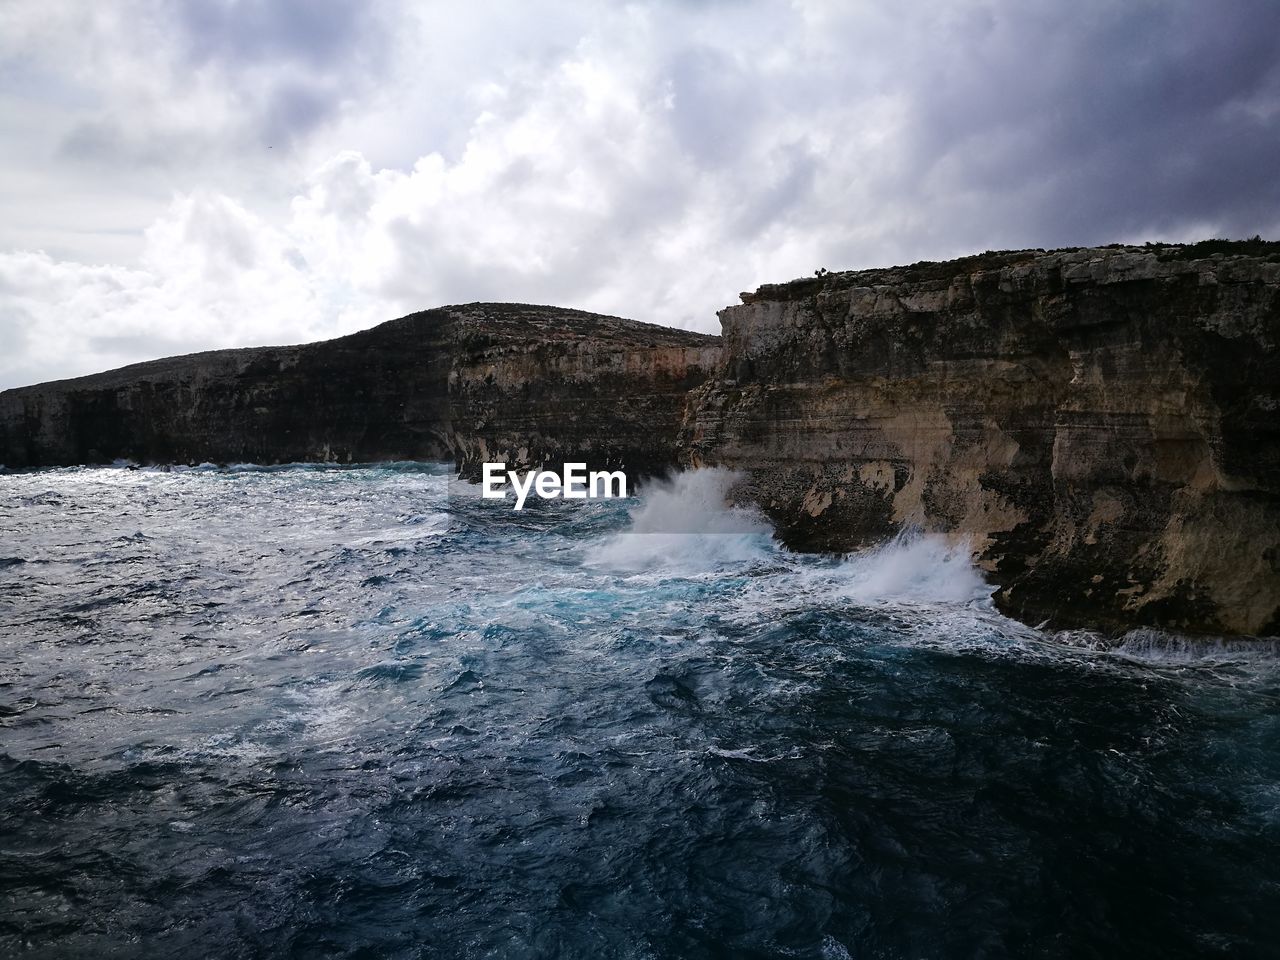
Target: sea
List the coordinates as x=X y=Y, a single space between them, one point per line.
x=360 y=711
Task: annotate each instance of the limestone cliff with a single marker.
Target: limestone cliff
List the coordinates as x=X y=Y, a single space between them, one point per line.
x=525 y=384
x=534 y=386
x=1103 y=424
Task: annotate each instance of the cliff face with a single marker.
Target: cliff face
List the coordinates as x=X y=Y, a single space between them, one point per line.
x=1103 y=425
x=534 y=386
x=529 y=385
x=379 y=394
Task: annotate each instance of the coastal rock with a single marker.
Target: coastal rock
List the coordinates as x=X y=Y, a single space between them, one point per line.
x=534 y=386
x=1101 y=425
x=529 y=385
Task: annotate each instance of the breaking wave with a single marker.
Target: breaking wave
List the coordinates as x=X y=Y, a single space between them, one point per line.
x=915 y=567
x=687 y=522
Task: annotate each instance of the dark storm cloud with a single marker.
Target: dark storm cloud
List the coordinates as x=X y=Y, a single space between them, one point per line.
x=319 y=35
x=293 y=109
x=1100 y=119
x=292 y=61
x=289 y=65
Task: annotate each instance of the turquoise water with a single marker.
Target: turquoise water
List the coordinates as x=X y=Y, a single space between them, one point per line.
x=360 y=712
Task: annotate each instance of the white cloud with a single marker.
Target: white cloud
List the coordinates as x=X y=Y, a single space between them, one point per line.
x=212 y=275
x=247 y=182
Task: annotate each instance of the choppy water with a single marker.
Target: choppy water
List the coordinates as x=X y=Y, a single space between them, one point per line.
x=340 y=712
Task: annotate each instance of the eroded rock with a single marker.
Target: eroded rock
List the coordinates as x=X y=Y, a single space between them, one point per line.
x=527 y=385
x=1101 y=424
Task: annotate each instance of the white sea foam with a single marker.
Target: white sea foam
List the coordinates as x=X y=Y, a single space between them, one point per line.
x=686 y=522
x=425 y=525
x=1162 y=647
x=914 y=567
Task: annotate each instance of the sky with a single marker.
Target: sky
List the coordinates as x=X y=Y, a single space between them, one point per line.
x=183 y=175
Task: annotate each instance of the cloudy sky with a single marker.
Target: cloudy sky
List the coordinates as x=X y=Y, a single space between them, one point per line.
x=179 y=175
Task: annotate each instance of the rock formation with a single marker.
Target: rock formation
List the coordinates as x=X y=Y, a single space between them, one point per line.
x=1102 y=424
x=528 y=385
x=534 y=385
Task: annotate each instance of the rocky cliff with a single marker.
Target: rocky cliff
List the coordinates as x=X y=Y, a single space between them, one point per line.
x=535 y=386
x=1103 y=425
x=525 y=384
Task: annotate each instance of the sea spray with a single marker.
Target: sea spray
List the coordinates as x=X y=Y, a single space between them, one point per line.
x=686 y=522
x=914 y=567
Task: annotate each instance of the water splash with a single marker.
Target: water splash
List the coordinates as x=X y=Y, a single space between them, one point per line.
x=914 y=567
x=686 y=522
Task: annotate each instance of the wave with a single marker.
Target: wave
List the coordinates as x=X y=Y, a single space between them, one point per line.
x=914 y=567
x=686 y=521
x=1167 y=647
